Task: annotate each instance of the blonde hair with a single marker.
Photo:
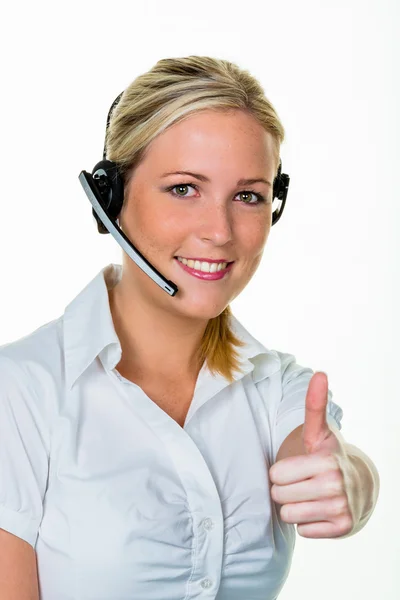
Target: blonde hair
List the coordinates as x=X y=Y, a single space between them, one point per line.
x=172 y=90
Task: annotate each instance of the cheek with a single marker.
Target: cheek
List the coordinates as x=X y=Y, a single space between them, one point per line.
x=172 y=225
x=153 y=229
x=254 y=237
x=253 y=265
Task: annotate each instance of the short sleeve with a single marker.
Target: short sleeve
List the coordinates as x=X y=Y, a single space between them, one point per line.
x=24 y=454
x=291 y=408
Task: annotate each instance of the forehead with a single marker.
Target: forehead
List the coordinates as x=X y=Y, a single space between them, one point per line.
x=234 y=138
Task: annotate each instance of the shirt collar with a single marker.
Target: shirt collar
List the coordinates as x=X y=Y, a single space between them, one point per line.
x=89 y=333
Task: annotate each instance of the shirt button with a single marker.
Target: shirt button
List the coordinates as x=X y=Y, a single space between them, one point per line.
x=208 y=524
x=206 y=583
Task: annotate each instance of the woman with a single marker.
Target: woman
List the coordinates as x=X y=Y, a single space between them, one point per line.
x=152 y=447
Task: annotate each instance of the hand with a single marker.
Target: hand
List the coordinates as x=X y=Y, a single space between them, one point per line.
x=316 y=488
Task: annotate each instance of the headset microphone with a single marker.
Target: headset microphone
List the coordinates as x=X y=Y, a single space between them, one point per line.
x=104 y=188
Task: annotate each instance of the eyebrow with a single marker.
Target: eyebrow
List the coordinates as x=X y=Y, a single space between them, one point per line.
x=207 y=180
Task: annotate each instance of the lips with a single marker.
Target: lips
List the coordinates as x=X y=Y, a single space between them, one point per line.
x=204 y=274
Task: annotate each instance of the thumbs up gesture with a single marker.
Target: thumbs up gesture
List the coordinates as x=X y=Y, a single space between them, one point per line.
x=317 y=488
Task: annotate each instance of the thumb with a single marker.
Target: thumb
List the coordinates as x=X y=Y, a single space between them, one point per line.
x=315 y=428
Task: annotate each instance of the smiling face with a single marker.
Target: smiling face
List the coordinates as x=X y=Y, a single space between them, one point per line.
x=218 y=219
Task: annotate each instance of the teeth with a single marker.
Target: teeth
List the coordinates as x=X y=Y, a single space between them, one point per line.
x=203 y=266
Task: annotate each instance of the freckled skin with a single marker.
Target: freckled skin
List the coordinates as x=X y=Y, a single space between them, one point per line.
x=211 y=221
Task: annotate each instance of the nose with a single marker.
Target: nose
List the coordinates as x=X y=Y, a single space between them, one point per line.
x=215 y=224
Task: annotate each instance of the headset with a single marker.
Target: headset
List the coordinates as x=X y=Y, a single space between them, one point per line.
x=104 y=188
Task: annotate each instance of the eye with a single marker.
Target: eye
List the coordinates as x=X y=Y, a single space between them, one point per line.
x=260 y=197
x=180 y=186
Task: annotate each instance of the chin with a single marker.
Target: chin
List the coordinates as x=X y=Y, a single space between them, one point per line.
x=204 y=311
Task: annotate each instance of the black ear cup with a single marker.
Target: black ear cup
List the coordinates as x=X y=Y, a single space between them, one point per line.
x=110 y=185
x=280 y=190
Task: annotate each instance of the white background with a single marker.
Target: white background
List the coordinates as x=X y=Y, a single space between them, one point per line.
x=328 y=285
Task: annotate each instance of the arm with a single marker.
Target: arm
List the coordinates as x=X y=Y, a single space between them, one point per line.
x=18 y=569
x=368 y=482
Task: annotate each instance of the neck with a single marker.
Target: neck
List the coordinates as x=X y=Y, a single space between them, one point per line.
x=154 y=342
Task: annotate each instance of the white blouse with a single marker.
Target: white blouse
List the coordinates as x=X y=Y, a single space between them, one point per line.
x=117 y=499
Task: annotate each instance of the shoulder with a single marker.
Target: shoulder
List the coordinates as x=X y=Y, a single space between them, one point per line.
x=282 y=383
x=31 y=368
x=278 y=366
x=43 y=346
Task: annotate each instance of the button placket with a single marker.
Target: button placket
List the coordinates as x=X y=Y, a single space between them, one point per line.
x=207 y=524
